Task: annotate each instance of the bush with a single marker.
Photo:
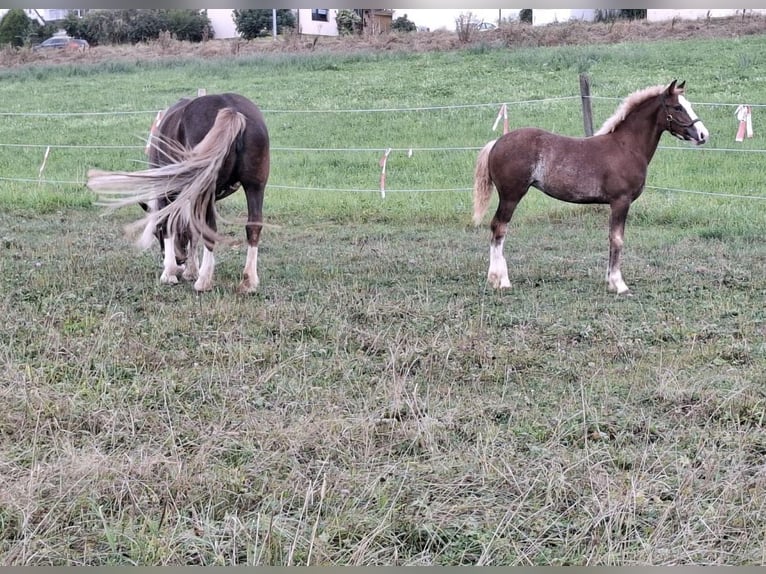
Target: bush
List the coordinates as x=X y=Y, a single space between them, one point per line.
x=525 y=15
x=138 y=25
x=99 y=27
x=15 y=28
x=257 y=23
x=403 y=24
x=348 y=22
x=144 y=25
x=465 y=25
x=189 y=25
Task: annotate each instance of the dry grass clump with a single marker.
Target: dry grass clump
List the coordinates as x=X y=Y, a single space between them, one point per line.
x=515 y=34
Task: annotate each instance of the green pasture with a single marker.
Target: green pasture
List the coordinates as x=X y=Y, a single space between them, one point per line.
x=375 y=402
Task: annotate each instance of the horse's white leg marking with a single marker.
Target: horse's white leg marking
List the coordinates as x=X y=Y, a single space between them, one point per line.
x=613 y=273
x=250 y=276
x=170 y=269
x=205 y=281
x=191 y=272
x=616 y=283
x=498 y=268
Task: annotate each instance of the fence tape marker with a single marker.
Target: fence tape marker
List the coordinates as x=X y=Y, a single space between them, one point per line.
x=745 y=118
x=152 y=130
x=45 y=159
x=383 y=162
x=502 y=113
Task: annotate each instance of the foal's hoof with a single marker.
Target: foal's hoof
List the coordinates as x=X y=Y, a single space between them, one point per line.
x=247 y=286
x=189 y=274
x=168 y=279
x=200 y=286
x=623 y=293
x=499 y=282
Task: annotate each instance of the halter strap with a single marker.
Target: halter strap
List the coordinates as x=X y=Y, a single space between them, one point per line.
x=670 y=119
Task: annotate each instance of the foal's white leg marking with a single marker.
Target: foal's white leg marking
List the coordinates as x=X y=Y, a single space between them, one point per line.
x=170 y=269
x=613 y=273
x=250 y=276
x=205 y=281
x=616 y=283
x=702 y=132
x=498 y=268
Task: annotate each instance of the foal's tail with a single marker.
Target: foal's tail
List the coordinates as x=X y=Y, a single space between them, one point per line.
x=482 y=184
x=190 y=183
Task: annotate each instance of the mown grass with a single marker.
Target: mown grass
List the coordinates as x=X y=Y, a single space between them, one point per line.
x=376 y=403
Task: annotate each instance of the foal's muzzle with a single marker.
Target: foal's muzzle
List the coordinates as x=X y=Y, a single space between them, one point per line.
x=699 y=132
x=695 y=131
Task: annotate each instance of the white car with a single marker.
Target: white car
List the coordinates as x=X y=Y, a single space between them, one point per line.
x=484 y=26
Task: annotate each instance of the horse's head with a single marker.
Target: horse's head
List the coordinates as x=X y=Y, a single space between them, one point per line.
x=680 y=119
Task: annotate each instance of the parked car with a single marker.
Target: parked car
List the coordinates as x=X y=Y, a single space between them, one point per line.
x=62 y=43
x=484 y=26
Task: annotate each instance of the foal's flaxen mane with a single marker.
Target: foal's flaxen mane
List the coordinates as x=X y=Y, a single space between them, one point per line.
x=627 y=105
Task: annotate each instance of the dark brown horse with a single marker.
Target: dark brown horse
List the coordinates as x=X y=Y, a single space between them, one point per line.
x=202 y=150
x=609 y=167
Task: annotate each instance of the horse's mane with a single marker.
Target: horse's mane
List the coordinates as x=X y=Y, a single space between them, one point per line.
x=627 y=105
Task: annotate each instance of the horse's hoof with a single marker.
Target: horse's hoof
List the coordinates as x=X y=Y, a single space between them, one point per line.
x=168 y=279
x=203 y=286
x=623 y=293
x=246 y=287
x=499 y=282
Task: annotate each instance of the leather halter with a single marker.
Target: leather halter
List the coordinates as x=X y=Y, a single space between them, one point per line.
x=670 y=119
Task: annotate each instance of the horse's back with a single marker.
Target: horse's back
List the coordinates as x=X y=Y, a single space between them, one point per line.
x=517 y=153
x=558 y=165
x=200 y=114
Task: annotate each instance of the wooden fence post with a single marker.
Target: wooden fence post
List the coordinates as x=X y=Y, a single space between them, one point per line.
x=587 y=114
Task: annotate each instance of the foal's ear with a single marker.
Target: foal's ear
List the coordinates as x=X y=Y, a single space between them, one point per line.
x=671 y=88
x=680 y=87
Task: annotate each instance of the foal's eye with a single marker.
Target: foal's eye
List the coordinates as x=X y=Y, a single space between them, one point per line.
x=679 y=108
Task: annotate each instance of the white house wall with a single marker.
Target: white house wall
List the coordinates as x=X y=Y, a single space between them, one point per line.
x=317 y=28
x=224 y=27
x=542 y=17
x=222 y=21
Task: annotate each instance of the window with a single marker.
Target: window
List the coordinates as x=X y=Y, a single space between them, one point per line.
x=319 y=14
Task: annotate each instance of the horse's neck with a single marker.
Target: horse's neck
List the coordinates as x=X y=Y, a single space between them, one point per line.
x=641 y=130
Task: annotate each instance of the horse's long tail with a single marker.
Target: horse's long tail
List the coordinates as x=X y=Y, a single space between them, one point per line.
x=482 y=184
x=190 y=183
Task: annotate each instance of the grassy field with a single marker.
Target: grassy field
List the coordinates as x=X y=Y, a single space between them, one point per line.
x=375 y=402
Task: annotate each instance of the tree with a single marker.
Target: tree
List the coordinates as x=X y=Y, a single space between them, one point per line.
x=258 y=23
x=144 y=25
x=189 y=25
x=78 y=28
x=15 y=28
x=403 y=24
